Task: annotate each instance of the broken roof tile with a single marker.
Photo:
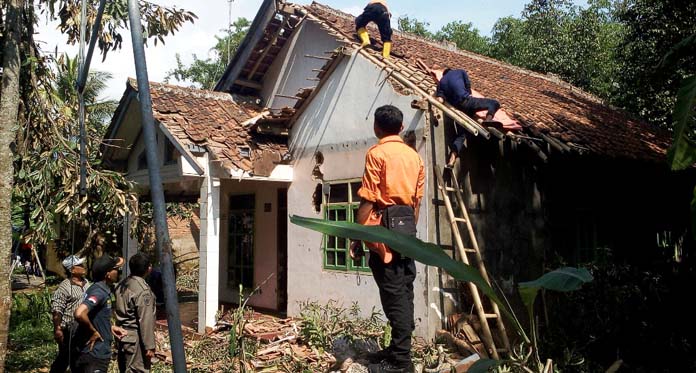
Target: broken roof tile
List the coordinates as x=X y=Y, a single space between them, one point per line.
x=212 y=119
x=544 y=103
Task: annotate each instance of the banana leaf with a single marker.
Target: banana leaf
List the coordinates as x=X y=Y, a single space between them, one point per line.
x=563 y=279
x=424 y=252
x=484 y=365
x=682 y=154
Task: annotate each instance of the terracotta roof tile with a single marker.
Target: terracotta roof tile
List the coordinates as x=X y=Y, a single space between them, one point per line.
x=544 y=103
x=212 y=119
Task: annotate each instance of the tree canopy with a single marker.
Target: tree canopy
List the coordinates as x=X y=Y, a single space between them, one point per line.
x=611 y=48
x=205 y=73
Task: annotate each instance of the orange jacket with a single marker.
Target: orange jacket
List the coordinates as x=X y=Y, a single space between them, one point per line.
x=394 y=175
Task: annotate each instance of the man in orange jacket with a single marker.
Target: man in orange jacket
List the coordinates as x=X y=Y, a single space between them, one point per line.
x=393 y=180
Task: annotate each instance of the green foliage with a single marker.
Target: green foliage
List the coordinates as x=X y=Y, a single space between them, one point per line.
x=465 y=36
x=652 y=27
x=682 y=154
x=31 y=345
x=46 y=178
x=98 y=112
x=557 y=37
x=414 y=26
x=158 y=21
x=424 y=252
x=562 y=280
x=207 y=72
x=322 y=324
x=629 y=311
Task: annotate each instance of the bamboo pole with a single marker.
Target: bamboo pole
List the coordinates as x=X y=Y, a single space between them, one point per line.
x=469 y=124
x=479 y=259
x=478 y=305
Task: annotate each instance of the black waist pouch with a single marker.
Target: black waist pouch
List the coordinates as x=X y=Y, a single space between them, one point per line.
x=400 y=218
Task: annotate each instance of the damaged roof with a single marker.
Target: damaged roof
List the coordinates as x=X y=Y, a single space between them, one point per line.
x=216 y=121
x=549 y=108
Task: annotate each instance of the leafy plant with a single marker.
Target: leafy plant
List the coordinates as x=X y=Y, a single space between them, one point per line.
x=31 y=345
x=563 y=279
x=322 y=324
x=206 y=72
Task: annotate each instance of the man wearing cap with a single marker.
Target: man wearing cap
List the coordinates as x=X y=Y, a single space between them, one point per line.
x=65 y=300
x=135 y=312
x=94 y=334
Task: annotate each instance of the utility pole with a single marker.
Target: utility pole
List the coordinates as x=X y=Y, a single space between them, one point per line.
x=163 y=242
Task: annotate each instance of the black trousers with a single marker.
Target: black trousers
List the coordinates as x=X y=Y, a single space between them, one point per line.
x=470 y=106
x=62 y=361
x=378 y=14
x=87 y=363
x=395 y=283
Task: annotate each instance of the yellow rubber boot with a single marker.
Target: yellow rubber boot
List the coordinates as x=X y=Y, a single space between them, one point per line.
x=364 y=36
x=386 y=50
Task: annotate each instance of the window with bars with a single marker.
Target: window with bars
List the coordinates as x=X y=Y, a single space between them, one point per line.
x=341 y=203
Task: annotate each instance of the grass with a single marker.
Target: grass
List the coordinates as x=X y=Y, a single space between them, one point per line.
x=31 y=346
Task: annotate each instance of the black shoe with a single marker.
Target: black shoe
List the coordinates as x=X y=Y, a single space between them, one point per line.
x=389 y=367
x=378 y=356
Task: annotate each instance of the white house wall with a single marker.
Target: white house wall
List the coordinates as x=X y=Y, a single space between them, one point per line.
x=292 y=67
x=339 y=124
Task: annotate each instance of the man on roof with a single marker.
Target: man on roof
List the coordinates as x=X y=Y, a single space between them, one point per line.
x=376 y=11
x=454 y=86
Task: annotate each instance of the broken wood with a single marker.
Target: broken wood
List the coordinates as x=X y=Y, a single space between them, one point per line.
x=286 y=96
x=319 y=57
x=460 y=345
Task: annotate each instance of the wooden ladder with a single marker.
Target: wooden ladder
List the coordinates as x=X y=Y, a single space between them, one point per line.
x=452 y=187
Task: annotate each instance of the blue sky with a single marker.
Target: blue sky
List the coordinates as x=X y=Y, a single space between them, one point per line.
x=214 y=15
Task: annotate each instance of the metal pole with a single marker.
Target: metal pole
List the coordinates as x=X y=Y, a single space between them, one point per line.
x=81 y=112
x=84 y=65
x=163 y=243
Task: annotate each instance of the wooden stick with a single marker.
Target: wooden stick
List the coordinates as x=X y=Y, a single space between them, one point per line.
x=286 y=96
x=468 y=123
x=319 y=57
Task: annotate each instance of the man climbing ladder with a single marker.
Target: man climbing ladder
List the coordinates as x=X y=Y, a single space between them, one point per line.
x=376 y=11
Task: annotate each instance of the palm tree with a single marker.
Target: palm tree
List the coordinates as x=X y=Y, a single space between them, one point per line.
x=98 y=111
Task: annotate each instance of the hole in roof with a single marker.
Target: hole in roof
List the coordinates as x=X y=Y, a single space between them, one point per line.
x=245 y=151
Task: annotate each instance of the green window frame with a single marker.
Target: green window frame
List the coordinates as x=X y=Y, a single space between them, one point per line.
x=341 y=204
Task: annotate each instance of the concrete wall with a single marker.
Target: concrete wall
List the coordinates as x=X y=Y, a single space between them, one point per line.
x=339 y=124
x=291 y=68
x=265 y=240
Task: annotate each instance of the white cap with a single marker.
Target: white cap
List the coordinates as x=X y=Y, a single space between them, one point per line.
x=71 y=261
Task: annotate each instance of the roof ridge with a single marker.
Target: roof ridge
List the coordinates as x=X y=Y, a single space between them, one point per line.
x=452 y=47
x=196 y=92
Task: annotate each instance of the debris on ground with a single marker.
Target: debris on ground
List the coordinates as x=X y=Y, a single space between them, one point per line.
x=323 y=339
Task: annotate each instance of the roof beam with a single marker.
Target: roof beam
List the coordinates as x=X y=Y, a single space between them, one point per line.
x=256 y=31
x=266 y=50
x=248 y=84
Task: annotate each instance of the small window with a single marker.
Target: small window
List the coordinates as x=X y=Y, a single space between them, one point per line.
x=169 y=153
x=142 y=161
x=341 y=203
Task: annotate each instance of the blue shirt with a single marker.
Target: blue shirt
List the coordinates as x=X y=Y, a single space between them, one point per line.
x=98 y=301
x=454 y=86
